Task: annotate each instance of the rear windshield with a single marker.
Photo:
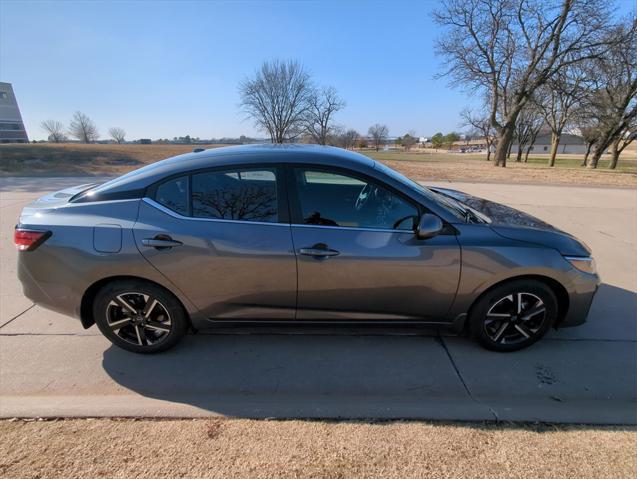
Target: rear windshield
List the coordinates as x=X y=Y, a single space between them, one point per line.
x=96 y=189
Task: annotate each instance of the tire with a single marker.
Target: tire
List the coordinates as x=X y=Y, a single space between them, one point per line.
x=139 y=316
x=513 y=315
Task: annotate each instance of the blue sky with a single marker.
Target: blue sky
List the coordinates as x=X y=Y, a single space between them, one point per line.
x=164 y=69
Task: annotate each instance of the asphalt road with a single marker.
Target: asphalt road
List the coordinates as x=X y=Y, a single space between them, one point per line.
x=50 y=366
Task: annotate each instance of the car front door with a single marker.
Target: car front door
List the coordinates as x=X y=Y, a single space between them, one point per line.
x=357 y=254
x=223 y=238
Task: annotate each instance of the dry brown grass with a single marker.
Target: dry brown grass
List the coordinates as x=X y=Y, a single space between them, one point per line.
x=482 y=171
x=246 y=448
x=79 y=159
x=104 y=160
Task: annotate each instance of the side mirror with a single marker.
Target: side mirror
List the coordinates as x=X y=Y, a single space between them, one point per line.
x=428 y=226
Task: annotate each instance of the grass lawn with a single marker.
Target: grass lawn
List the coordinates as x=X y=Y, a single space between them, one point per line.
x=224 y=448
x=49 y=159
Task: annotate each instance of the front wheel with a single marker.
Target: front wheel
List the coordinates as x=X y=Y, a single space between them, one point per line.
x=513 y=315
x=139 y=316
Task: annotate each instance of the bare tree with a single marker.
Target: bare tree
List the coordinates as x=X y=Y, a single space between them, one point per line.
x=507 y=49
x=379 y=134
x=347 y=138
x=83 y=128
x=322 y=105
x=612 y=98
x=276 y=99
x=533 y=132
x=409 y=140
x=558 y=100
x=589 y=134
x=482 y=125
x=527 y=127
x=117 y=134
x=55 y=129
x=621 y=142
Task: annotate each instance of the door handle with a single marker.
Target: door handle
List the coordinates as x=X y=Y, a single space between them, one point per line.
x=318 y=252
x=161 y=242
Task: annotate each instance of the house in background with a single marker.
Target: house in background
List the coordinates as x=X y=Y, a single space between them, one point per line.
x=11 y=126
x=569 y=144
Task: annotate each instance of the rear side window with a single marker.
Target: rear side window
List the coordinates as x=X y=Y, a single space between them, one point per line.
x=173 y=194
x=248 y=195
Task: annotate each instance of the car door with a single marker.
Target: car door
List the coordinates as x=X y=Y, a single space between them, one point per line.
x=223 y=238
x=357 y=254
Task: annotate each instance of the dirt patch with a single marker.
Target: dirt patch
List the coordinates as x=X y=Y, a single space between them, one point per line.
x=246 y=448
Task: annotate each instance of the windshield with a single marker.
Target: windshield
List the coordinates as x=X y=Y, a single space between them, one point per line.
x=454 y=207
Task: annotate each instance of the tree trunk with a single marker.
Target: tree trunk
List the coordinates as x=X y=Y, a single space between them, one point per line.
x=488 y=151
x=509 y=151
x=597 y=154
x=588 y=151
x=614 y=150
x=518 y=159
x=555 y=143
x=526 y=153
x=505 y=138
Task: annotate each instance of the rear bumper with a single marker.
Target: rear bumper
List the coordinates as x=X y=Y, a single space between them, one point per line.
x=47 y=292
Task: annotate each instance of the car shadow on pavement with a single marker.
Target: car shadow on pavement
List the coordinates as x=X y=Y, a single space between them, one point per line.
x=373 y=372
x=279 y=373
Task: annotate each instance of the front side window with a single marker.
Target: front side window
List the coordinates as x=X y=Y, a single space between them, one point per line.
x=248 y=195
x=173 y=194
x=331 y=199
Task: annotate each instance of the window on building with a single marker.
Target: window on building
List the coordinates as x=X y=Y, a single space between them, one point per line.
x=10 y=126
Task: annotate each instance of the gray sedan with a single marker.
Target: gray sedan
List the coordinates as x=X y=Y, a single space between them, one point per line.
x=293 y=233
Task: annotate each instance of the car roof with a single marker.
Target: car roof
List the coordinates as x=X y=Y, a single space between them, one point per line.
x=277 y=153
x=236 y=155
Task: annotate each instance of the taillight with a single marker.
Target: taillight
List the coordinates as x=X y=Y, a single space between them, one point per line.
x=28 y=240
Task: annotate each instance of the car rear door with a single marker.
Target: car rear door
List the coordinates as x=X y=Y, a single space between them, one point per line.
x=358 y=256
x=223 y=238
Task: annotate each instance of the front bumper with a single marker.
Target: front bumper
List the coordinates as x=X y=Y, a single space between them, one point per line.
x=581 y=292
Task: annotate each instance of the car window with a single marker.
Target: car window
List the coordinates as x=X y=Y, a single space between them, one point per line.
x=173 y=194
x=248 y=195
x=447 y=203
x=334 y=199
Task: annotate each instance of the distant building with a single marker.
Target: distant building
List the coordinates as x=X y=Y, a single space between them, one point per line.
x=11 y=127
x=569 y=144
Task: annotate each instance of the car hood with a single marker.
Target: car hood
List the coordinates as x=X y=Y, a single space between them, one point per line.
x=517 y=225
x=498 y=213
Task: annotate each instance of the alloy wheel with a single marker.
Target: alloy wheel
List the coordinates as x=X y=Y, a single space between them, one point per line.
x=515 y=318
x=138 y=318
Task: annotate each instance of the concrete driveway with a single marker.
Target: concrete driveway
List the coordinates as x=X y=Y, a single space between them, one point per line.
x=50 y=366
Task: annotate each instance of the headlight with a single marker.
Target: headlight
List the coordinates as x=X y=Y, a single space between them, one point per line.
x=583 y=263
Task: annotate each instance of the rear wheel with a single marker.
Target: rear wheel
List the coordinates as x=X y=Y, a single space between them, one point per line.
x=138 y=316
x=513 y=315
